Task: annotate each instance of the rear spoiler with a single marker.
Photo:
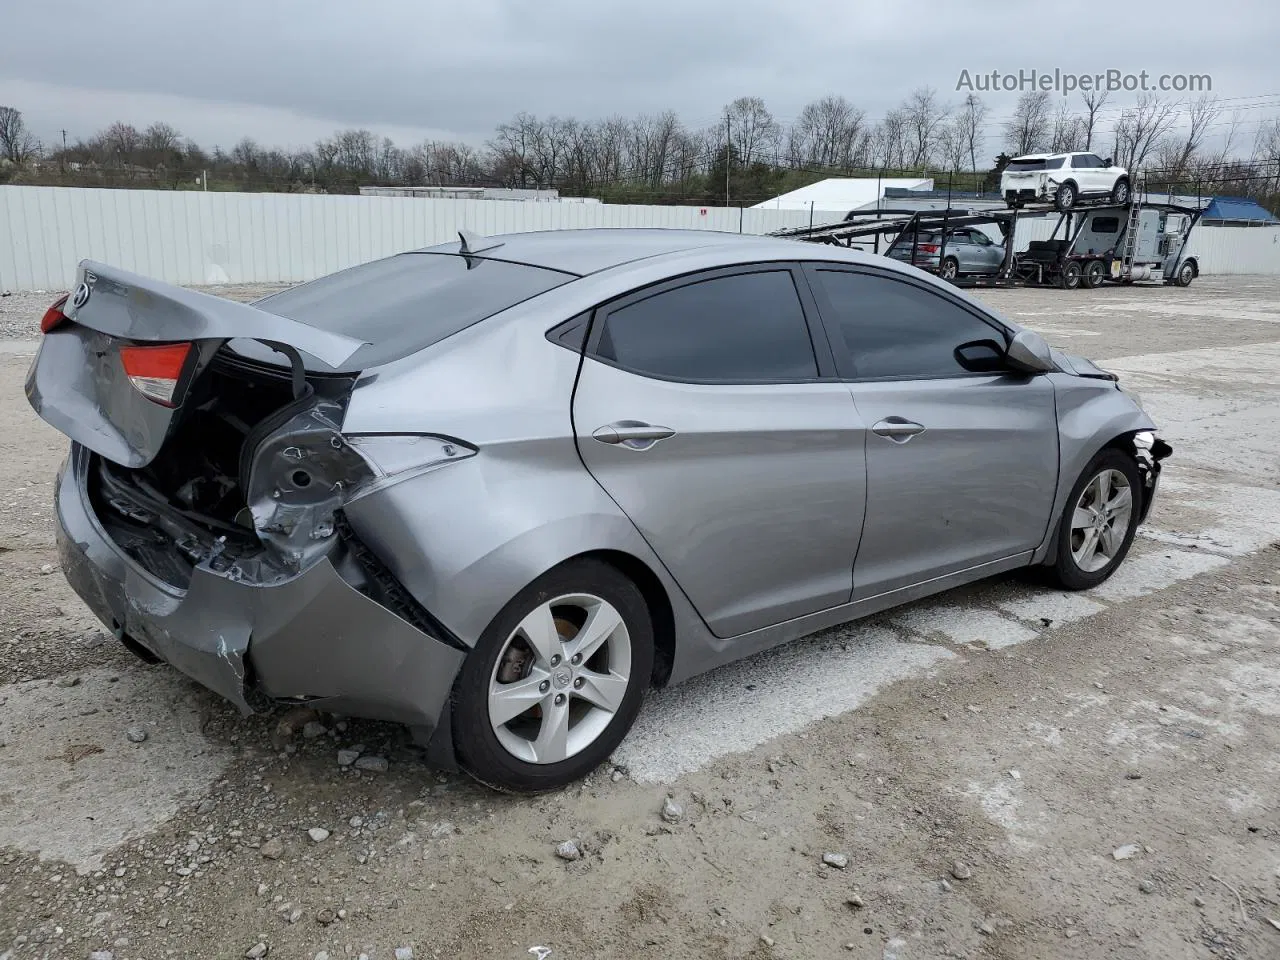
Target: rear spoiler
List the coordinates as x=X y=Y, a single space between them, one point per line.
x=133 y=307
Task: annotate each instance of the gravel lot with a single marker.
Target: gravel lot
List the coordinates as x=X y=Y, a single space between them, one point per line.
x=1001 y=771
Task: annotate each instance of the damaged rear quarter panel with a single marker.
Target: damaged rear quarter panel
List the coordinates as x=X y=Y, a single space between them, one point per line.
x=528 y=502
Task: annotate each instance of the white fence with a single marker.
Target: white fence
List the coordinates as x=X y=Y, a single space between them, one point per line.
x=190 y=237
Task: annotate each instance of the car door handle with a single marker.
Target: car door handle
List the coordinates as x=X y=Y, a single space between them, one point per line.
x=632 y=434
x=898 y=429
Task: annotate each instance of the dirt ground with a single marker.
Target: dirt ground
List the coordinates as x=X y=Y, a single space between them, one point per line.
x=998 y=772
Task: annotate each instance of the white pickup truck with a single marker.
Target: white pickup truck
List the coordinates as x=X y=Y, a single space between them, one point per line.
x=1063 y=179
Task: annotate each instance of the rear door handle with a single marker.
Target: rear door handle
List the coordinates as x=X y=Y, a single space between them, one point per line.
x=632 y=434
x=897 y=429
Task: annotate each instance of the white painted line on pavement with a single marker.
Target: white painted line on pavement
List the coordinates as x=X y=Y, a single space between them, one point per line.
x=1140 y=576
x=738 y=707
x=963 y=625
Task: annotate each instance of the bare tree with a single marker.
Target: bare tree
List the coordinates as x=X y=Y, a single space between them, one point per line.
x=1201 y=114
x=1094 y=100
x=953 y=148
x=1068 y=131
x=17 y=143
x=753 y=131
x=1140 y=128
x=923 y=116
x=889 y=144
x=1028 y=128
x=120 y=143
x=970 y=126
x=830 y=132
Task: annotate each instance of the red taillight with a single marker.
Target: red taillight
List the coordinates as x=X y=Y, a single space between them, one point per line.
x=54 y=315
x=928 y=248
x=154 y=371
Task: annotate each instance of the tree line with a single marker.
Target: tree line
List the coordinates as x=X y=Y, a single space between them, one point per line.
x=750 y=155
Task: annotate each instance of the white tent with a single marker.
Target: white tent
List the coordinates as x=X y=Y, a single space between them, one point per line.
x=842 y=194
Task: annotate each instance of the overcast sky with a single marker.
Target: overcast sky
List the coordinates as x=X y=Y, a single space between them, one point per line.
x=289 y=71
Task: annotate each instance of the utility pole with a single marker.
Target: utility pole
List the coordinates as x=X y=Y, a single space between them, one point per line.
x=728 y=153
x=64 y=151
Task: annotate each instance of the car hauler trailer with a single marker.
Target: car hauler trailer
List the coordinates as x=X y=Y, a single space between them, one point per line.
x=1089 y=246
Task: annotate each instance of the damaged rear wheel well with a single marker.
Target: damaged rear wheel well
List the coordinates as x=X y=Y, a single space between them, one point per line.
x=655 y=598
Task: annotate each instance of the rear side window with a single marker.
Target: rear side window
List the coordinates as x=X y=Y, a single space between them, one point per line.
x=739 y=328
x=406 y=303
x=896 y=330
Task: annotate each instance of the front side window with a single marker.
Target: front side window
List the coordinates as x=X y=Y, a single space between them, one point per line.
x=740 y=328
x=896 y=330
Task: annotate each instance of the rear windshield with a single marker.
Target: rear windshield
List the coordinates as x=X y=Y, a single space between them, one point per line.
x=1020 y=166
x=408 y=302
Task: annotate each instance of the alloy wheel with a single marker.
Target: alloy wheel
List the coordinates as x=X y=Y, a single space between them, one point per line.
x=561 y=676
x=1100 y=521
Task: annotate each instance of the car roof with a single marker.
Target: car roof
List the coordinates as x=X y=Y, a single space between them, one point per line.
x=582 y=252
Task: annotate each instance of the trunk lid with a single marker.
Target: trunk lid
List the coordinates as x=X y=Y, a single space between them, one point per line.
x=79 y=382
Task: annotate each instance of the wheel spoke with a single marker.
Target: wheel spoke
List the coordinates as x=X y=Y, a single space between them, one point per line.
x=604 y=690
x=1122 y=500
x=1111 y=539
x=1088 y=548
x=602 y=621
x=1082 y=519
x=508 y=700
x=539 y=629
x=1104 y=488
x=552 y=744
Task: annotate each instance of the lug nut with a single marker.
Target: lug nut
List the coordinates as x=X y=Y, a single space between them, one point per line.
x=559 y=699
x=577 y=659
x=577 y=682
x=555 y=660
x=544 y=686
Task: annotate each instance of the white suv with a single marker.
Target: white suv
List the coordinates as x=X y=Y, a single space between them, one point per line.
x=1062 y=179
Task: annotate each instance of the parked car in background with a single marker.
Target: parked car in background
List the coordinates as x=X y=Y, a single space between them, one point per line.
x=496 y=490
x=1063 y=179
x=968 y=251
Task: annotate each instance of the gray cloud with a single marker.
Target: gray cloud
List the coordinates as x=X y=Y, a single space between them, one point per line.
x=292 y=70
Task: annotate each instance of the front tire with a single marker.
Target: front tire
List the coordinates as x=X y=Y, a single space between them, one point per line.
x=1071 y=275
x=555 y=681
x=1186 y=273
x=1120 y=192
x=1098 y=522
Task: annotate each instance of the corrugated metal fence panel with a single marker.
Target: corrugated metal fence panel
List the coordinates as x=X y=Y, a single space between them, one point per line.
x=190 y=237
x=1236 y=249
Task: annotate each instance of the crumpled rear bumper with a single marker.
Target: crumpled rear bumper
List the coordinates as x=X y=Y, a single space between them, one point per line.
x=314 y=637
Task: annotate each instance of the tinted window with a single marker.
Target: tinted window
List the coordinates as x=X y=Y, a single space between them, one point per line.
x=1104 y=224
x=405 y=303
x=897 y=330
x=1020 y=166
x=1096 y=161
x=739 y=328
x=1055 y=164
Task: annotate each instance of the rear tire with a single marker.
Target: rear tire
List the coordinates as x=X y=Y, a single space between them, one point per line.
x=950 y=269
x=563 y=721
x=1066 y=197
x=1098 y=524
x=1094 y=274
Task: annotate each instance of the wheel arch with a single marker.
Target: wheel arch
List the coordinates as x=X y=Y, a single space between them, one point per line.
x=1092 y=416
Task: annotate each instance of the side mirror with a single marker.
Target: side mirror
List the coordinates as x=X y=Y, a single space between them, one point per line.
x=1029 y=353
x=1109 y=162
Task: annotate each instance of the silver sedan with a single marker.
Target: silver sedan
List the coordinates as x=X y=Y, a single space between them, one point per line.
x=495 y=490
